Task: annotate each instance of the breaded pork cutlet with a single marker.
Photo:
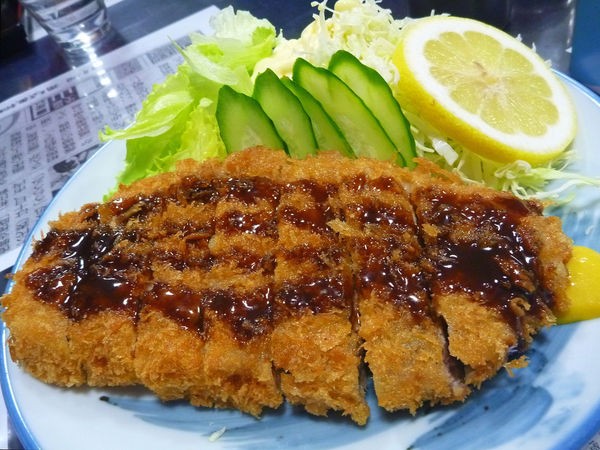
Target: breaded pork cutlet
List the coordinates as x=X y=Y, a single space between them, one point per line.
x=314 y=348
x=74 y=321
x=161 y=229
x=238 y=283
x=496 y=268
x=239 y=305
x=404 y=340
x=212 y=273
x=315 y=345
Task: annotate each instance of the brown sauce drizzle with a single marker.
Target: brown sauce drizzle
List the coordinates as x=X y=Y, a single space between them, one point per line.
x=370 y=212
x=360 y=183
x=399 y=281
x=499 y=267
x=330 y=289
x=248 y=314
x=248 y=261
x=380 y=271
x=315 y=294
x=56 y=242
x=180 y=262
x=195 y=190
x=89 y=278
x=322 y=258
x=93 y=275
x=189 y=230
x=137 y=206
x=313 y=219
x=182 y=305
x=319 y=192
x=250 y=190
x=260 y=223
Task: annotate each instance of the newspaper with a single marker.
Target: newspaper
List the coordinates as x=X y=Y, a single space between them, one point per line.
x=47 y=132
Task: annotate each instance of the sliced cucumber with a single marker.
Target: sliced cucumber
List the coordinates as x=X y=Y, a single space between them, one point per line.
x=243 y=123
x=285 y=110
x=359 y=126
x=373 y=90
x=327 y=134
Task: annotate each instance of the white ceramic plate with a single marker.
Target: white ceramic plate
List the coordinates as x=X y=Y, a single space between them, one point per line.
x=554 y=403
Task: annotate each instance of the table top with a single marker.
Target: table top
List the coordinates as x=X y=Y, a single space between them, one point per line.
x=41 y=62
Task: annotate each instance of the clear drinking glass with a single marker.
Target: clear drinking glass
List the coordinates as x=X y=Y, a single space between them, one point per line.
x=73 y=24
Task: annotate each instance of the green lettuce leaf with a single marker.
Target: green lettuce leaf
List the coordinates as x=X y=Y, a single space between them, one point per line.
x=230 y=54
x=146 y=155
x=200 y=139
x=177 y=120
x=159 y=110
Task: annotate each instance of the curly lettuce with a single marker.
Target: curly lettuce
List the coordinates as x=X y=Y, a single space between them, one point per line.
x=176 y=120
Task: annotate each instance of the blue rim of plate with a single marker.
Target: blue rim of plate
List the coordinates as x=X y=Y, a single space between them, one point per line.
x=593 y=96
x=577 y=439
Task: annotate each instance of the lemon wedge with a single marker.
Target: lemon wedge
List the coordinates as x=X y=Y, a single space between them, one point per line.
x=483 y=89
x=584 y=286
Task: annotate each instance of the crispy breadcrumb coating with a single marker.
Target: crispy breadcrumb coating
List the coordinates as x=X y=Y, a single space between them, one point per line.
x=244 y=282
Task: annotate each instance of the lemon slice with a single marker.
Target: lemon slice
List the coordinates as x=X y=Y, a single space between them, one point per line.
x=483 y=89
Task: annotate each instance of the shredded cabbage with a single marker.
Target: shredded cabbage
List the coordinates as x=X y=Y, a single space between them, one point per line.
x=360 y=27
x=545 y=182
